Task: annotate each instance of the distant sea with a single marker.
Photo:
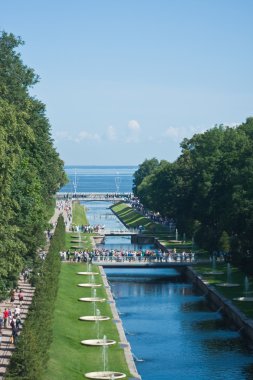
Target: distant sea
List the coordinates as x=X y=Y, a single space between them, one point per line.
x=99 y=179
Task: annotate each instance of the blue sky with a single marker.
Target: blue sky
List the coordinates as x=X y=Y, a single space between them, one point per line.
x=125 y=80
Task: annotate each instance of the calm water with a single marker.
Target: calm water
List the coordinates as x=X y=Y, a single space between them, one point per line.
x=100 y=179
x=172 y=332
x=98 y=212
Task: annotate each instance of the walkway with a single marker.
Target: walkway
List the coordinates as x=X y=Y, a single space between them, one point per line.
x=63 y=207
x=7 y=348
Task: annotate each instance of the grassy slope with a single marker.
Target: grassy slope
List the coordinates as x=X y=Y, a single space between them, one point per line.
x=132 y=219
x=68 y=358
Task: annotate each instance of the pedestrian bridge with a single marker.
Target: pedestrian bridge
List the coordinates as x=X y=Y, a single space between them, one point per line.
x=143 y=264
x=112 y=197
x=107 y=232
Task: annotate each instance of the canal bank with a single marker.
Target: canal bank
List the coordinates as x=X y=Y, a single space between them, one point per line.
x=217 y=301
x=123 y=340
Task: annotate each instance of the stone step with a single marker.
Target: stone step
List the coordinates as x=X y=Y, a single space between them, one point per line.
x=2 y=370
x=4 y=361
x=4 y=352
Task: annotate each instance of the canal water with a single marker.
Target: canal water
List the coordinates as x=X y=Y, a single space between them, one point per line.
x=172 y=332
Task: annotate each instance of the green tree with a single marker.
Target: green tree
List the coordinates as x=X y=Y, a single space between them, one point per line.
x=30 y=168
x=145 y=169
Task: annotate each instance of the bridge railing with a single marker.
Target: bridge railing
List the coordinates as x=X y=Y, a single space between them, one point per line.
x=94 y=196
x=129 y=231
x=145 y=259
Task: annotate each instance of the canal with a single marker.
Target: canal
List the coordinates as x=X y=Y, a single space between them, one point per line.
x=172 y=331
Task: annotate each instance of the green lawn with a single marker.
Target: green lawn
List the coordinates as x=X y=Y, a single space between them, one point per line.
x=79 y=216
x=73 y=243
x=69 y=359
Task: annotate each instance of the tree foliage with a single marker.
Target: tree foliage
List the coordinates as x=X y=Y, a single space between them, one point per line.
x=30 y=168
x=208 y=190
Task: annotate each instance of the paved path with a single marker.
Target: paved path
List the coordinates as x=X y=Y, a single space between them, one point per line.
x=7 y=348
x=63 y=207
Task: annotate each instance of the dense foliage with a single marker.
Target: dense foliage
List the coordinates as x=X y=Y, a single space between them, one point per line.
x=208 y=190
x=30 y=168
x=30 y=358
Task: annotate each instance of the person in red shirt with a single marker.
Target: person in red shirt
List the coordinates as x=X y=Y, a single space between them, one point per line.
x=5 y=316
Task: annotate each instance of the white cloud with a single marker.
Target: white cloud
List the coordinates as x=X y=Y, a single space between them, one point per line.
x=111 y=133
x=83 y=135
x=177 y=134
x=134 y=131
x=134 y=125
x=62 y=135
x=173 y=133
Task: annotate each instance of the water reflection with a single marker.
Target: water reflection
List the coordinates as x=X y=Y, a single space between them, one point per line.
x=209 y=325
x=197 y=305
x=225 y=344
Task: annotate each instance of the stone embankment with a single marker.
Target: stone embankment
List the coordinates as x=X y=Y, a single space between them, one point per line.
x=6 y=347
x=226 y=307
x=123 y=340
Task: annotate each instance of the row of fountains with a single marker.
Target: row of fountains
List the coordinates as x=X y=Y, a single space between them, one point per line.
x=229 y=283
x=97 y=318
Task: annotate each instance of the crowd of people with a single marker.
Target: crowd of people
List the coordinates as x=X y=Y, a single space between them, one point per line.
x=88 y=228
x=154 y=216
x=102 y=254
x=11 y=316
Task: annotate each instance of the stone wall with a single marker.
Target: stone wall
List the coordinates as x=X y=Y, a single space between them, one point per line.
x=219 y=302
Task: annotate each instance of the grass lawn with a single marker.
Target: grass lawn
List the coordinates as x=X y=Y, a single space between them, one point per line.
x=68 y=358
x=73 y=243
x=79 y=216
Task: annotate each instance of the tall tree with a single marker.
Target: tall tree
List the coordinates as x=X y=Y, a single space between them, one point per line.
x=30 y=168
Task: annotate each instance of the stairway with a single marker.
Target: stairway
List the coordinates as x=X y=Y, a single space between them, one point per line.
x=7 y=348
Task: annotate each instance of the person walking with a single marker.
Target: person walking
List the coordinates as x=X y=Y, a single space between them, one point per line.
x=21 y=296
x=5 y=317
x=9 y=316
x=1 y=322
x=12 y=296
